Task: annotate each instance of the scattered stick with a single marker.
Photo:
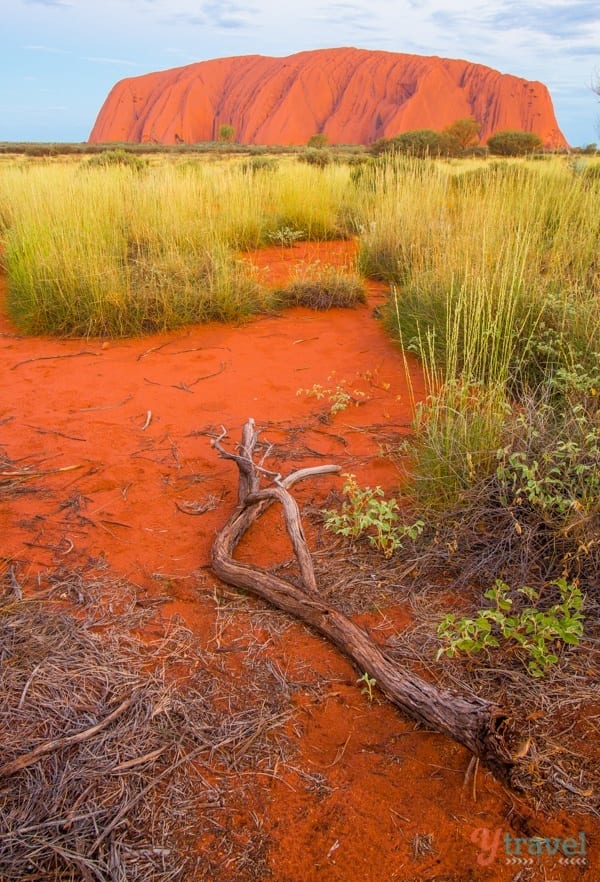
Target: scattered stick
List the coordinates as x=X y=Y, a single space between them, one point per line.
x=52 y=357
x=199 y=508
x=25 y=474
x=154 y=349
x=106 y=406
x=41 y=431
x=187 y=387
x=28 y=759
x=473 y=722
x=201 y=349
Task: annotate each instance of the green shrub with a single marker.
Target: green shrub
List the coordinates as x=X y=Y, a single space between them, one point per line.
x=119 y=157
x=315 y=156
x=514 y=143
x=226 y=133
x=286 y=236
x=528 y=511
x=465 y=132
x=551 y=464
x=419 y=143
x=339 y=397
x=318 y=140
x=381 y=146
x=533 y=631
x=366 y=512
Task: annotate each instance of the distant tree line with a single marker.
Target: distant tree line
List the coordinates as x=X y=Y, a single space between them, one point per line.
x=461 y=138
x=458 y=139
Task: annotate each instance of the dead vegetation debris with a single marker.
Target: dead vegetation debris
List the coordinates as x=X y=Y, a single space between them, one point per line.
x=124 y=758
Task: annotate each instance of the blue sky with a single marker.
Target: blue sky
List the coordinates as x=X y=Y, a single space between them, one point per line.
x=60 y=58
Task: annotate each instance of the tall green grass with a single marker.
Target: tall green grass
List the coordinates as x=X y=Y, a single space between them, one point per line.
x=119 y=250
x=496 y=272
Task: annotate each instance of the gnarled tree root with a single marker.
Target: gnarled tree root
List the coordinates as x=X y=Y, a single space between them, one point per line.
x=473 y=722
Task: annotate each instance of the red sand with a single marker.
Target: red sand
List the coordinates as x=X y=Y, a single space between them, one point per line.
x=354 y=96
x=137 y=420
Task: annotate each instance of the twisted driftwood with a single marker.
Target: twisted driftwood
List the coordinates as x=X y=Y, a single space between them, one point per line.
x=473 y=722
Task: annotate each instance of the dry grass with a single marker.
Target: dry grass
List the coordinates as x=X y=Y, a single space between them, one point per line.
x=159 y=789
x=323 y=288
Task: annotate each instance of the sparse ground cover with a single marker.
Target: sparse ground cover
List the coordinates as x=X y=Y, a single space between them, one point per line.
x=494 y=280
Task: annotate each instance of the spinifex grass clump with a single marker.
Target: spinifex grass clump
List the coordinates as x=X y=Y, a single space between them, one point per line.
x=322 y=287
x=495 y=279
x=100 y=251
x=457 y=431
x=120 y=250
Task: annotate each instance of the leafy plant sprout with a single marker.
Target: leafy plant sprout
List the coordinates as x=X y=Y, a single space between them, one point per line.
x=533 y=630
x=339 y=397
x=286 y=236
x=369 y=683
x=366 y=512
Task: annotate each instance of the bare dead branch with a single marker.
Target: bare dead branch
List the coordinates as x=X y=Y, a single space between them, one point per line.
x=473 y=722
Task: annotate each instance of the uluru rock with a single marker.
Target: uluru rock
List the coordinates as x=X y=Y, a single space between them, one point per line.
x=354 y=96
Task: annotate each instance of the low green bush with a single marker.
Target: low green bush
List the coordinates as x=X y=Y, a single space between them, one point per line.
x=534 y=631
x=118 y=157
x=514 y=143
x=316 y=156
x=367 y=513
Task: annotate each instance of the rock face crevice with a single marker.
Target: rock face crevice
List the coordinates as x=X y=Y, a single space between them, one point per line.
x=354 y=96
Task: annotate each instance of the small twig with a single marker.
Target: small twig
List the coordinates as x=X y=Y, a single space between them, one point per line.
x=200 y=349
x=25 y=475
x=14 y=583
x=70 y=547
x=340 y=753
x=199 y=508
x=186 y=387
x=208 y=376
x=28 y=759
x=41 y=431
x=51 y=357
x=28 y=684
x=139 y=760
x=471 y=772
x=106 y=406
x=154 y=349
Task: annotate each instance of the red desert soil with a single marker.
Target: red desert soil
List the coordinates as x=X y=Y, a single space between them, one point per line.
x=352 y=95
x=136 y=417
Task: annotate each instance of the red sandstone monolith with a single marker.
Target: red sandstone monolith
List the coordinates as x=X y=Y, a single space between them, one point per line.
x=354 y=96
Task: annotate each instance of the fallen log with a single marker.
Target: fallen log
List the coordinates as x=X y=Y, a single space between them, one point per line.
x=473 y=722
